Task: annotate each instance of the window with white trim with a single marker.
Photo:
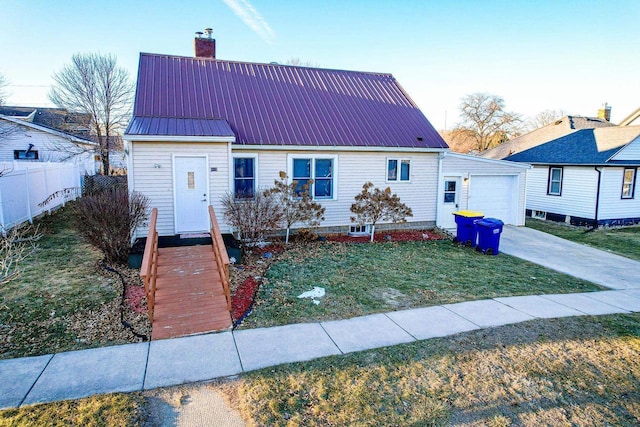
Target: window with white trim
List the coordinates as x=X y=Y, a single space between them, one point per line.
x=244 y=177
x=398 y=170
x=319 y=169
x=554 y=187
x=628 y=183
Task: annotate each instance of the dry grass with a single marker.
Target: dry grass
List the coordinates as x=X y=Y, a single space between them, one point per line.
x=97 y=411
x=365 y=278
x=64 y=299
x=575 y=371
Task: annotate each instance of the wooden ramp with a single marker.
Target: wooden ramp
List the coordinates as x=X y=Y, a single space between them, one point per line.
x=187 y=287
x=190 y=298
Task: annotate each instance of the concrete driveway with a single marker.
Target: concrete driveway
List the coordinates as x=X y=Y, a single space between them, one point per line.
x=584 y=262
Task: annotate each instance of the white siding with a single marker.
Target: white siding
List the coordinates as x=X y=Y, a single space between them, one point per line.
x=469 y=166
x=50 y=148
x=353 y=170
x=630 y=152
x=152 y=175
x=612 y=205
x=578 y=198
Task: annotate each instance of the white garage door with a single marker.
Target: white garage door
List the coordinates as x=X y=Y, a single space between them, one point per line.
x=495 y=195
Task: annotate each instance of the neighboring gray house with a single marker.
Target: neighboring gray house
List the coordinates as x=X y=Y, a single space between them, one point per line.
x=580 y=175
x=203 y=127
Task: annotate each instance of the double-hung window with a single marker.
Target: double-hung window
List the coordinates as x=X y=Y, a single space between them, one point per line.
x=628 y=183
x=319 y=169
x=398 y=170
x=244 y=177
x=554 y=187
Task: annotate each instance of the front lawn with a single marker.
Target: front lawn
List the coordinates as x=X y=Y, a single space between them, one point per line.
x=368 y=278
x=580 y=371
x=63 y=299
x=96 y=411
x=623 y=241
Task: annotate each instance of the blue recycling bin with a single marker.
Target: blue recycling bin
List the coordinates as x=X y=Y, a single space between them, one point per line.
x=466 y=228
x=489 y=230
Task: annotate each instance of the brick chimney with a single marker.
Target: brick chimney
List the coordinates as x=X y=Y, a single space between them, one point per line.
x=205 y=45
x=605 y=112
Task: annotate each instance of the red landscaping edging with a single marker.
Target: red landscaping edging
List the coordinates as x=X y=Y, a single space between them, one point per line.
x=242 y=299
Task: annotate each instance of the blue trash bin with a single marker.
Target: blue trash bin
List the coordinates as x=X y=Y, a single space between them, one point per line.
x=466 y=228
x=489 y=230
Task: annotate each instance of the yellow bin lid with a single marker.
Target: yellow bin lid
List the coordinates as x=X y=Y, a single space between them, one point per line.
x=469 y=213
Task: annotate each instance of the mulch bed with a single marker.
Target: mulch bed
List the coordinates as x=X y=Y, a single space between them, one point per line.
x=391 y=236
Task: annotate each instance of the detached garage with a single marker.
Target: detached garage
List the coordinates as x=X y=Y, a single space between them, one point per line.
x=496 y=188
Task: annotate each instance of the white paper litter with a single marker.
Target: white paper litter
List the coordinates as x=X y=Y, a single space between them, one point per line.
x=314 y=294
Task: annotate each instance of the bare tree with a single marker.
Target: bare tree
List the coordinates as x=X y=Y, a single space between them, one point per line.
x=297 y=62
x=16 y=244
x=3 y=89
x=94 y=84
x=542 y=119
x=484 y=119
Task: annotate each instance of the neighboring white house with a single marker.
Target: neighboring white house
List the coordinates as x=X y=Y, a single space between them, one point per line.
x=204 y=127
x=585 y=177
x=23 y=141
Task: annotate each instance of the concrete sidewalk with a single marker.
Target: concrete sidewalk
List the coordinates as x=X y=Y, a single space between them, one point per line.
x=176 y=361
x=583 y=262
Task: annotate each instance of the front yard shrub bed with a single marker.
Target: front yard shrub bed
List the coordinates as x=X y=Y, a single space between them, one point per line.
x=361 y=279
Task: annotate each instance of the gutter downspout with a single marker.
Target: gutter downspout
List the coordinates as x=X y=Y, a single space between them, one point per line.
x=439 y=190
x=595 y=221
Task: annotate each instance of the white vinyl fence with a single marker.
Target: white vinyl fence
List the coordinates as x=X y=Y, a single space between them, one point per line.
x=28 y=189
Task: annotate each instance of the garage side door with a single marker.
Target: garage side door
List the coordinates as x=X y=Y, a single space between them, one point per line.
x=496 y=196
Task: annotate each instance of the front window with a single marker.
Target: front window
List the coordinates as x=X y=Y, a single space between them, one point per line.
x=243 y=177
x=628 y=183
x=398 y=169
x=320 y=170
x=555 y=182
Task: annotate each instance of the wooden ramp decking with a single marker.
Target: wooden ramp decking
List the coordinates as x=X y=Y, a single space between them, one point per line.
x=189 y=298
x=187 y=287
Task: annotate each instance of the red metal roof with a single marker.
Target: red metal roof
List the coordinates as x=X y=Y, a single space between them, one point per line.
x=172 y=126
x=274 y=104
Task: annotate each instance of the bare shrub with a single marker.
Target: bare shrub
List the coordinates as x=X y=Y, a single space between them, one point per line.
x=108 y=219
x=373 y=206
x=252 y=218
x=296 y=204
x=16 y=244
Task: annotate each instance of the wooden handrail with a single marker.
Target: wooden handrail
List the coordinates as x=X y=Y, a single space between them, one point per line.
x=222 y=259
x=149 y=267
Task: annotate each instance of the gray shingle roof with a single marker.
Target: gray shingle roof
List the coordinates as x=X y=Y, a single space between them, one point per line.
x=559 y=128
x=582 y=147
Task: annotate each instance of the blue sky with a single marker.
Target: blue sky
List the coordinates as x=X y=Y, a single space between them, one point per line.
x=563 y=55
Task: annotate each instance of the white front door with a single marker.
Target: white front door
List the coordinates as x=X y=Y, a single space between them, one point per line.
x=450 y=201
x=191 y=194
